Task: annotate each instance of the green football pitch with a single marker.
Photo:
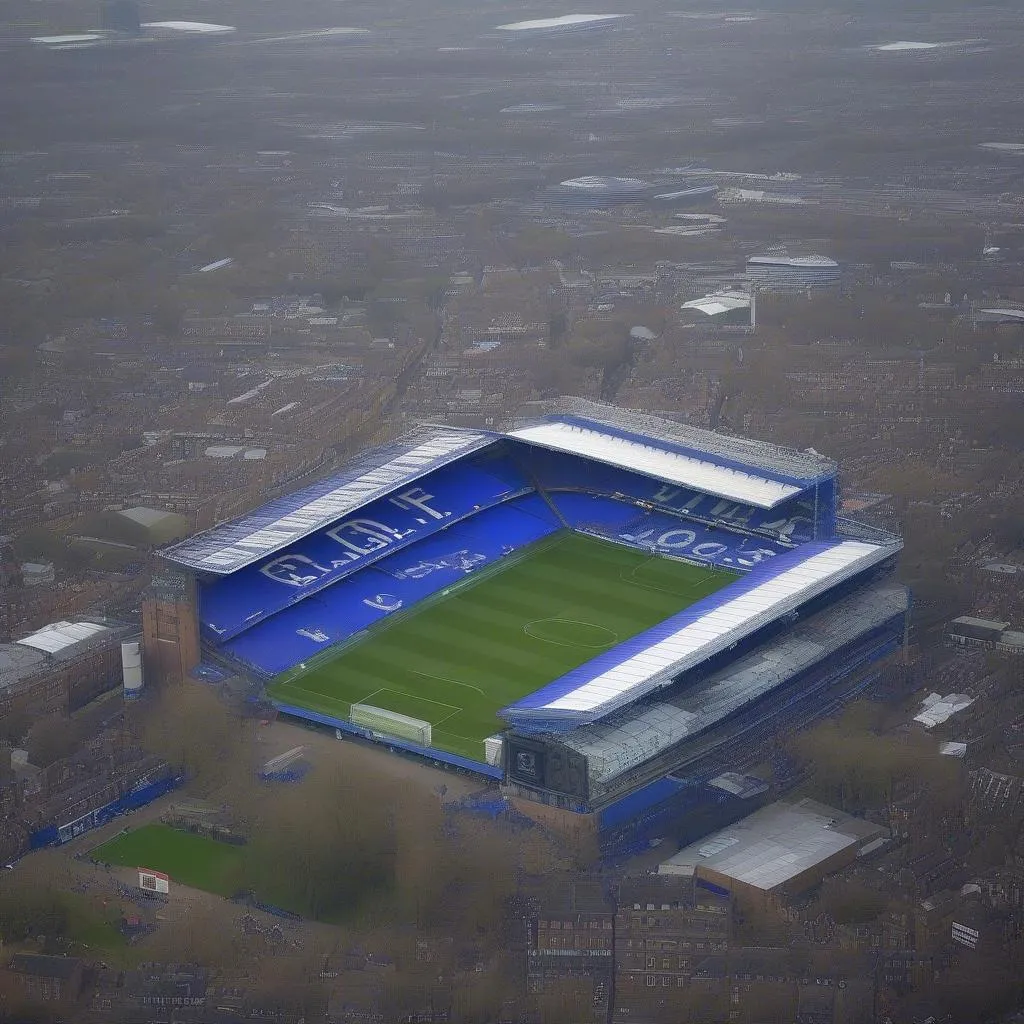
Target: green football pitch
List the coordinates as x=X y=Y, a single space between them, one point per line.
x=189 y=859
x=456 y=658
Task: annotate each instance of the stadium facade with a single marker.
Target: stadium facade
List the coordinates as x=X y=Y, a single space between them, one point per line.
x=713 y=598
x=792 y=273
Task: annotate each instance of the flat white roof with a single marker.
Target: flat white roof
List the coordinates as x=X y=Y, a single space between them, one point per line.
x=81 y=37
x=935 y=709
x=905 y=44
x=593 y=182
x=216 y=265
x=251 y=393
x=698 y=640
x=145 y=516
x=722 y=302
x=673 y=467
x=190 y=26
x=564 y=21
x=774 y=844
x=1010 y=314
x=58 y=635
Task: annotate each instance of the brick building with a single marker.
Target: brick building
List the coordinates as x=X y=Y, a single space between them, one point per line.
x=61 y=667
x=47 y=979
x=570 y=939
x=668 y=929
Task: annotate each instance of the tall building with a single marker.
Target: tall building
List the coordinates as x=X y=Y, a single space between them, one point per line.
x=668 y=930
x=170 y=635
x=570 y=939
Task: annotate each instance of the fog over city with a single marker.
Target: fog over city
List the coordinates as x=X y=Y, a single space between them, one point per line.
x=510 y=513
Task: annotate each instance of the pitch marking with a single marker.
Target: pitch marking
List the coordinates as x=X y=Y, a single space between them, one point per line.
x=576 y=622
x=631 y=578
x=445 y=679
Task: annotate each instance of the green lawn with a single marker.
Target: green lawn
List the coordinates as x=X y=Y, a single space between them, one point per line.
x=458 y=658
x=189 y=859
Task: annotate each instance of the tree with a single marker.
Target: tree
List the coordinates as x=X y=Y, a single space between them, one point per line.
x=192 y=729
x=328 y=850
x=200 y=930
x=290 y=985
x=14 y=724
x=54 y=738
x=565 y=1001
x=850 y=902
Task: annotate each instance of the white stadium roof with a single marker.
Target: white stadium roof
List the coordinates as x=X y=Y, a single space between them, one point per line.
x=672 y=467
x=936 y=709
x=624 y=741
x=705 y=629
x=756 y=473
x=279 y=523
x=763 y=457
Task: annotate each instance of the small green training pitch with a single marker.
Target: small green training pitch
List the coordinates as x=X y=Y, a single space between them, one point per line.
x=481 y=645
x=189 y=859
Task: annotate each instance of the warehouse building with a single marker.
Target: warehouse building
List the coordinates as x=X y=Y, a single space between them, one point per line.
x=782 y=850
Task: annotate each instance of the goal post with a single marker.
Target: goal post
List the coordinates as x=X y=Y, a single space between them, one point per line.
x=391 y=723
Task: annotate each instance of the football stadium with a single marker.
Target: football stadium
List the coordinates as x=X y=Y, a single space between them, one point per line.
x=604 y=610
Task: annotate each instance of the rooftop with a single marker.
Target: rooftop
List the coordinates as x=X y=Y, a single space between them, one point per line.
x=281 y=522
x=936 y=709
x=57 y=642
x=58 y=636
x=563 y=21
x=792 y=261
x=775 y=844
x=660 y=462
x=800 y=467
x=202 y=27
x=148 y=516
x=625 y=740
x=41 y=966
x=719 y=302
x=17 y=662
x=986 y=624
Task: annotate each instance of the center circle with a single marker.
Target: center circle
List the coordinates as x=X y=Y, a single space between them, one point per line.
x=571 y=633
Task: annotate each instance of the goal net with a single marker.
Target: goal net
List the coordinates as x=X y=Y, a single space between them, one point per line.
x=391 y=722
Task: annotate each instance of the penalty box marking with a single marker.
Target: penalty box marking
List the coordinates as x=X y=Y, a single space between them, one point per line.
x=426 y=700
x=447 y=679
x=630 y=576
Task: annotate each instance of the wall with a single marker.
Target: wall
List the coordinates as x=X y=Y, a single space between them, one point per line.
x=170 y=640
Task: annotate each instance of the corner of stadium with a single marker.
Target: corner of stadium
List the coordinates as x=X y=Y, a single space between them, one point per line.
x=606 y=611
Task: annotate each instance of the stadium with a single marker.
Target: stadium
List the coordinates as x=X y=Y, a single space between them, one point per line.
x=604 y=610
